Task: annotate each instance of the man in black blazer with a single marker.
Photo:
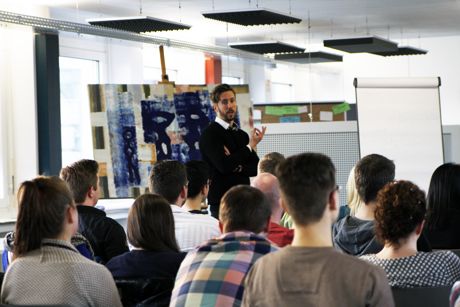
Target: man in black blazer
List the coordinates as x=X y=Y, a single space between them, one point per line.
x=228 y=150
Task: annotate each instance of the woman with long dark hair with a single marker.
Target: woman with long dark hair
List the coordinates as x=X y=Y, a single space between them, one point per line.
x=443 y=222
x=47 y=269
x=151 y=233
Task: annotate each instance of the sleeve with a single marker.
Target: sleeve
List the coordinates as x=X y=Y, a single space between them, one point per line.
x=248 y=282
x=116 y=243
x=379 y=292
x=106 y=294
x=250 y=167
x=454 y=298
x=212 y=146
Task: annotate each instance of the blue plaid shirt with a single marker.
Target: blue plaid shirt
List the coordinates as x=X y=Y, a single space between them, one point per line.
x=213 y=274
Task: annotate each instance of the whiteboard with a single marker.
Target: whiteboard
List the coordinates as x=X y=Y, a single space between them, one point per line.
x=400 y=118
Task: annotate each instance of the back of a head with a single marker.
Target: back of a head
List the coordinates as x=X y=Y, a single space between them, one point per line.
x=269 y=185
x=372 y=173
x=244 y=208
x=443 y=196
x=167 y=178
x=306 y=181
x=198 y=176
x=270 y=162
x=43 y=203
x=151 y=224
x=80 y=176
x=401 y=207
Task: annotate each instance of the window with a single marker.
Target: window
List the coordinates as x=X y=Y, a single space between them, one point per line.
x=75 y=75
x=232 y=80
x=153 y=74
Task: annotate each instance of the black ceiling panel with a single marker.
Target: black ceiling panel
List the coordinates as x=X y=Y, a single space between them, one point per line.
x=266 y=47
x=309 y=57
x=251 y=17
x=369 y=44
x=406 y=50
x=139 y=24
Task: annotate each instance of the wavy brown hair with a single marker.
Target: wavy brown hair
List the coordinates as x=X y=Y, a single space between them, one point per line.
x=43 y=203
x=401 y=207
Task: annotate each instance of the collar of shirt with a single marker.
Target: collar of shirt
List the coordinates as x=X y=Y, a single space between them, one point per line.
x=177 y=209
x=222 y=122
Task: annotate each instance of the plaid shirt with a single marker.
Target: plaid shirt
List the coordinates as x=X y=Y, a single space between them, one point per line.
x=213 y=274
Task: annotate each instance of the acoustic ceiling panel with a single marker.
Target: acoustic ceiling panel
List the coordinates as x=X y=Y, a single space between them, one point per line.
x=406 y=50
x=266 y=47
x=309 y=57
x=139 y=24
x=251 y=17
x=369 y=44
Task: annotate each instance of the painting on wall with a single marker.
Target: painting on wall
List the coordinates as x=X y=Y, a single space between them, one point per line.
x=135 y=125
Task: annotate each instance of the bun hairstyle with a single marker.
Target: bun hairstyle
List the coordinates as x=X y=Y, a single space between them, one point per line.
x=43 y=203
x=401 y=207
x=218 y=90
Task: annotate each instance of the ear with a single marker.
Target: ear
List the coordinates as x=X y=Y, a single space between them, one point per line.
x=183 y=193
x=283 y=205
x=333 y=203
x=91 y=192
x=205 y=190
x=267 y=226
x=419 y=228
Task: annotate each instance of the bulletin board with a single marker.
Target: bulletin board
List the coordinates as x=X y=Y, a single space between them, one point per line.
x=298 y=112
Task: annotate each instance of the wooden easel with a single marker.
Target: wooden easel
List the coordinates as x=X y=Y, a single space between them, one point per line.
x=164 y=76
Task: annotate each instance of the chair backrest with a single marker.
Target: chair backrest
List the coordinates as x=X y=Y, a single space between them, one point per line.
x=422 y=297
x=135 y=290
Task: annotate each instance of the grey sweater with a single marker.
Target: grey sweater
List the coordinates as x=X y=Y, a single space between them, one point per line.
x=57 y=274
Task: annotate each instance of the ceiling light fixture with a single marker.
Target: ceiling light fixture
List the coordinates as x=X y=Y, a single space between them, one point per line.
x=369 y=44
x=309 y=57
x=266 y=47
x=404 y=50
x=138 y=24
x=251 y=17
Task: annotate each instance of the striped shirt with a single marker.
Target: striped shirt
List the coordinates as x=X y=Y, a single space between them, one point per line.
x=213 y=274
x=193 y=229
x=433 y=269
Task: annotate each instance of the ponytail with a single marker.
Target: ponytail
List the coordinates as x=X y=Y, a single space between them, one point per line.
x=42 y=203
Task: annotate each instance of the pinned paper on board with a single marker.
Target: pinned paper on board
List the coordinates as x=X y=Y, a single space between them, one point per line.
x=257 y=114
x=303 y=109
x=341 y=108
x=290 y=119
x=326 y=116
x=281 y=110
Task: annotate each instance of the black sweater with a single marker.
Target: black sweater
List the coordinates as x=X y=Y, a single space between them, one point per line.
x=227 y=170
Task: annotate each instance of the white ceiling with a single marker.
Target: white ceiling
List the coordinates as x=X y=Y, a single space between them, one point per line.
x=394 y=19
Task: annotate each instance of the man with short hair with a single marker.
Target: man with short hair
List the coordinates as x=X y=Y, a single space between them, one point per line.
x=269 y=162
x=212 y=275
x=228 y=150
x=168 y=178
x=268 y=184
x=106 y=236
x=311 y=272
x=198 y=186
x=355 y=235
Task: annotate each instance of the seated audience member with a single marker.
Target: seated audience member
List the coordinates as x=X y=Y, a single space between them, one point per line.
x=168 y=178
x=198 y=186
x=269 y=185
x=399 y=219
x=106 y=236
x=354 y=202
x=47 y=268
x=77 y=240
x=269 y=162
x=212 y=275
x=311 y=272
x=442 y=227
x=355 y=235
x=155 y=251
x=455 y=295
x=155 y=256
